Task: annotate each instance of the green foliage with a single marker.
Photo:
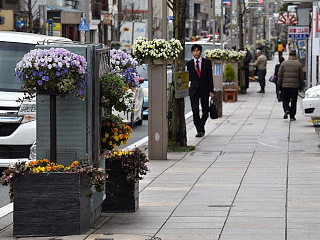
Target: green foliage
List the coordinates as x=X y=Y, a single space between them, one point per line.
x=114 y=94
x=284 y=7
x=229 y=73
x=172 y=147
x=133 y=162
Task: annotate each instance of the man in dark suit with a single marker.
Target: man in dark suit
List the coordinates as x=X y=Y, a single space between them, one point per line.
x=200 y=76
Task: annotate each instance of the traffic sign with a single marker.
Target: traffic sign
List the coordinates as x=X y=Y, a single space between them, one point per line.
x=84 y=26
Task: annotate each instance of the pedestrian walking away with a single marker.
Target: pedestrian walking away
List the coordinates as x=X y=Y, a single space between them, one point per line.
x=290 y=81
x=201 y=87
x=276 y=71
x=245 y=67
x=280 y=49
x=261 y=64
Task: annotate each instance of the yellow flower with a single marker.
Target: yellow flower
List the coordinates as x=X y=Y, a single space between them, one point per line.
x=114 y=145
x=106 y=135
x=104 y=140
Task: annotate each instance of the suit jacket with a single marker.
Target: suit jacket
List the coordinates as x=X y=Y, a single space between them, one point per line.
x=202 y=84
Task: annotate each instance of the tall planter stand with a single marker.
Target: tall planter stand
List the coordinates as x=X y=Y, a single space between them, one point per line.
x=121 y=196
x=51 y=204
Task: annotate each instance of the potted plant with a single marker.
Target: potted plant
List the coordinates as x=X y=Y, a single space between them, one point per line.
x=114 y=93
x=125 y=169
x=51 y=199
x=229 y=85
x=156 y=51
x=54 y=69
x=114 y=132
x=124 y=65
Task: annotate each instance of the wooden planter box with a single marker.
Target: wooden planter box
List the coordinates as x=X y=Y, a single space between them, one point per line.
x=230 y=92
x=121 y=196
x=51 y=205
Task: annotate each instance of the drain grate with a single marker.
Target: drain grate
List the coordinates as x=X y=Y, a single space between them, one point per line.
x=154 y=238
x=220 y=206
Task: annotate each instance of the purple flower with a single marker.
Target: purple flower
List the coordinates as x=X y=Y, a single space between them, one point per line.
x=45 y=78
x=34 y=73
x=39 y=82
x=58 y=74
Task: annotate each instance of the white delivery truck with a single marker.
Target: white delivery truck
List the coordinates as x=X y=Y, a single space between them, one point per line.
x=17 y=119
x=129 y=32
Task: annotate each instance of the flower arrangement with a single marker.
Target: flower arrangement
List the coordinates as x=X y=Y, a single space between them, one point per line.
x=134 y=163
x=156 y=48
x=114 y=93
x=95 y=174
x=124 y=65
x=215 y=53
x=261 y=42
x=236 y=55
x=114 y=132
x=224 y=54
x=53 y=68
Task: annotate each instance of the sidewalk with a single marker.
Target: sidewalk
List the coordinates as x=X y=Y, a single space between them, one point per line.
x=254 y=176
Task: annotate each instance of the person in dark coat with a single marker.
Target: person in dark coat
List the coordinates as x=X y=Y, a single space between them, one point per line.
x=201 y=87
x=245 y=67
x=290 y=81
x=276 y=70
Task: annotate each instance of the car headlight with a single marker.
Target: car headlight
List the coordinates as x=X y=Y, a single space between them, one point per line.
x=312 y=94
x=28 y=111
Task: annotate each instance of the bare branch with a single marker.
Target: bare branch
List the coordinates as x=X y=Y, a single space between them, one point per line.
x=34 y=4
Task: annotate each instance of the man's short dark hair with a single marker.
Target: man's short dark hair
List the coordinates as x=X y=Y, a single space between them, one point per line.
x=194 y=46
x=293 y=52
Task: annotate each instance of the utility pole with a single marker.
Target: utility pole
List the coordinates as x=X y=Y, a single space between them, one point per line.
x=214 y=23
x=88 y=21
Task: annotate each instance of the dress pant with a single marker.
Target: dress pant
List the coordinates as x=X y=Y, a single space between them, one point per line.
x=198 y=121
x=262 y=77
x=289 y=100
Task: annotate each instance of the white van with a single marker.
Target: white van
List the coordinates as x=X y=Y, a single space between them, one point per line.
x=17 y=120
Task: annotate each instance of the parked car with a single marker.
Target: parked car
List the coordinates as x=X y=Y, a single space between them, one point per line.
x=310 y=105
x=143 y=72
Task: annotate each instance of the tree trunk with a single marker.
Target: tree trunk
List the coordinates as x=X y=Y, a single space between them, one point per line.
x=179 y=136
x=30 y=19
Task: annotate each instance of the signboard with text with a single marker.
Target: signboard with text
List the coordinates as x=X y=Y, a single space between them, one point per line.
x=298 y=31
x=181 y=84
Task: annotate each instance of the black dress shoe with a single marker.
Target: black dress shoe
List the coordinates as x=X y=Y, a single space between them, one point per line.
x=293 y=119
x=199 y=134
x=286 y=114
x=261 y=91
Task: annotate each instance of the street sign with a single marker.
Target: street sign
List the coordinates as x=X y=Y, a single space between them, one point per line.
x=288 y=18
x=181 y=84
x=126 y=29
x=298 y=31
x=84 y=26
